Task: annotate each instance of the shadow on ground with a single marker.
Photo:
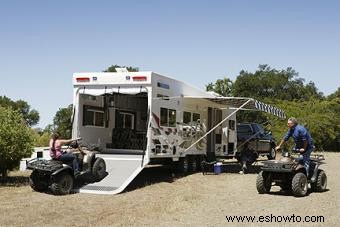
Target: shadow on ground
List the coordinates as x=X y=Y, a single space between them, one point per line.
x=158 y=174
x=14 y=181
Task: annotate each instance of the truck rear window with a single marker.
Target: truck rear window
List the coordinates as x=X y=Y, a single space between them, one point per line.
x=244 y=129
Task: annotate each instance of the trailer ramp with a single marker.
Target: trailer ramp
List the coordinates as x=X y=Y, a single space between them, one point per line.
x=121 y=170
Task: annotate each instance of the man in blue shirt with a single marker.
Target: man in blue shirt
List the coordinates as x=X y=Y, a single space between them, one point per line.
x=303 y=141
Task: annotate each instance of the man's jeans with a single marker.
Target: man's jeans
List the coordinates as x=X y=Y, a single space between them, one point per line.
x=66 y=157
x=305 y=159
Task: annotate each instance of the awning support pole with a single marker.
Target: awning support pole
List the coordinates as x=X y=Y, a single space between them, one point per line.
x=218 y=124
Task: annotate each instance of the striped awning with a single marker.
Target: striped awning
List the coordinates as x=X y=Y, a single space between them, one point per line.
x=236 y=102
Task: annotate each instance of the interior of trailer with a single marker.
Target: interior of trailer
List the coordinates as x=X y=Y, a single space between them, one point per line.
x=116 y=122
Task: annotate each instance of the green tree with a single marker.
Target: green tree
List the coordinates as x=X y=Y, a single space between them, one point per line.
x=16 y=140
x=62 y=121
x=334 y=95
x=31 y=116
x=112 y=68
x=279 y=84
x=223 y=87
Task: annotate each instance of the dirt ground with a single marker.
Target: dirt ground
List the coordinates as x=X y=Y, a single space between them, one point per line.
x=157 y=197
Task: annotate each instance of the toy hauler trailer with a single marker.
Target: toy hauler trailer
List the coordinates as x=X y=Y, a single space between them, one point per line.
x=143 y=118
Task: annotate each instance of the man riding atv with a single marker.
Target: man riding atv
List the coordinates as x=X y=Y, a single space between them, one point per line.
x=303 y=141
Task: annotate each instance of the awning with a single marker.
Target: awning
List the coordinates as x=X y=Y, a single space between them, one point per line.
x=237 y=102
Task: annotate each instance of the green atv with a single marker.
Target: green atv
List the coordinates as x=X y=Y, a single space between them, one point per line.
x=290 y=175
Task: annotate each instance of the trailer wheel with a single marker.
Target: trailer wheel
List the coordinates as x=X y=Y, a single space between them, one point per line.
x=62 y=184
x=321 y=182
x=37 y=182
x=299 y=185
x=263 y=182
x=99 y=169
x=198 y=160
x=184 y=165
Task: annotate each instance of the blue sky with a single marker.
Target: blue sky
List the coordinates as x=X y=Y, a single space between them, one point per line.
x=42 y=43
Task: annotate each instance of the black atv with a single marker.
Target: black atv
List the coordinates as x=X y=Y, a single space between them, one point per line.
x=290 y=175
x=59 y=176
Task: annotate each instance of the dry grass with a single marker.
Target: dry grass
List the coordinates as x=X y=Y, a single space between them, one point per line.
x=159 y=198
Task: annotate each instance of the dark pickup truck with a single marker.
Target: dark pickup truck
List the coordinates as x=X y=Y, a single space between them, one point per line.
x=252 y=138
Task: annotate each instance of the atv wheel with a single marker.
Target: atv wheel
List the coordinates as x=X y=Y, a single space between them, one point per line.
x=38 y=182
x=272 y=154
x=263 y=182
x=299 y=185
x=99 y=169
x=321 y=182
x=62 y=184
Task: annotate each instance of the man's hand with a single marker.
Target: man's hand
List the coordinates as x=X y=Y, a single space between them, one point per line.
x=301 y=150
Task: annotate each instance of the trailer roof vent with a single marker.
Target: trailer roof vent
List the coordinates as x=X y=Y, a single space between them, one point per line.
x=121 y=70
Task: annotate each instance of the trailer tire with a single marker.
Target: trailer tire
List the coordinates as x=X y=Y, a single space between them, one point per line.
x=263 y=182
x=37 y=182
x=184 y=165
x=99 y=168
x=321 y=182
x=198 y=160
x=62 y=184
x=299 y=185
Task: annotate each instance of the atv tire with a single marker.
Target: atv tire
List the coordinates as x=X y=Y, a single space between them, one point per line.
x=62 y=184
x=321 y=182
x=37 y=182
x=272 y=154
x=99 y=169
x=263 y=183
x=299 y=185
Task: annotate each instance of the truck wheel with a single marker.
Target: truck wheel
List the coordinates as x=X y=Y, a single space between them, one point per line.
x=299 y=185
x=321 y=182
x=62 y=184
x=37 y=182
x=99 y=169
x=272 y=154
x=263 y=182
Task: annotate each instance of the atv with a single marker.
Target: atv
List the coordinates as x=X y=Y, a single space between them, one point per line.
x=59 y=176
x=290 y=175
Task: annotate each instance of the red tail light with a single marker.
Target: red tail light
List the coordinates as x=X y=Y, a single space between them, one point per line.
x=139 y=78
x=83 y=79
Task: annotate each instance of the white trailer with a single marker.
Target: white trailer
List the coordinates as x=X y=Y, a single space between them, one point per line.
x=143 y=118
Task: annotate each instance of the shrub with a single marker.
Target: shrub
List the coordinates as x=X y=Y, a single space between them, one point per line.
x=16 y=139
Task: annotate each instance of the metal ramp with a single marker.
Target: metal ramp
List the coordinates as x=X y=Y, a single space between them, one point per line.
x=121 y=169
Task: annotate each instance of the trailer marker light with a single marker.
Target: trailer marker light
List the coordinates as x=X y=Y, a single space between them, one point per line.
x=83 y=79
x=139 y=78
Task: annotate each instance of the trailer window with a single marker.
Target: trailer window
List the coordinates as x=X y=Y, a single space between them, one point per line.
x=231 y=125
x=164 y=117
x=127 y=120
x=93 y=116
x=172 y=118
x=186 y=117
x=196 y=117
x=168 y=117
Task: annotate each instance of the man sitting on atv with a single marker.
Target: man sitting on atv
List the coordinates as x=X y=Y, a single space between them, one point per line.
x=303 y=141
x=57 y=154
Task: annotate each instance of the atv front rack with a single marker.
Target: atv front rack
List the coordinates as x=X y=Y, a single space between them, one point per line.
x=44 y=165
